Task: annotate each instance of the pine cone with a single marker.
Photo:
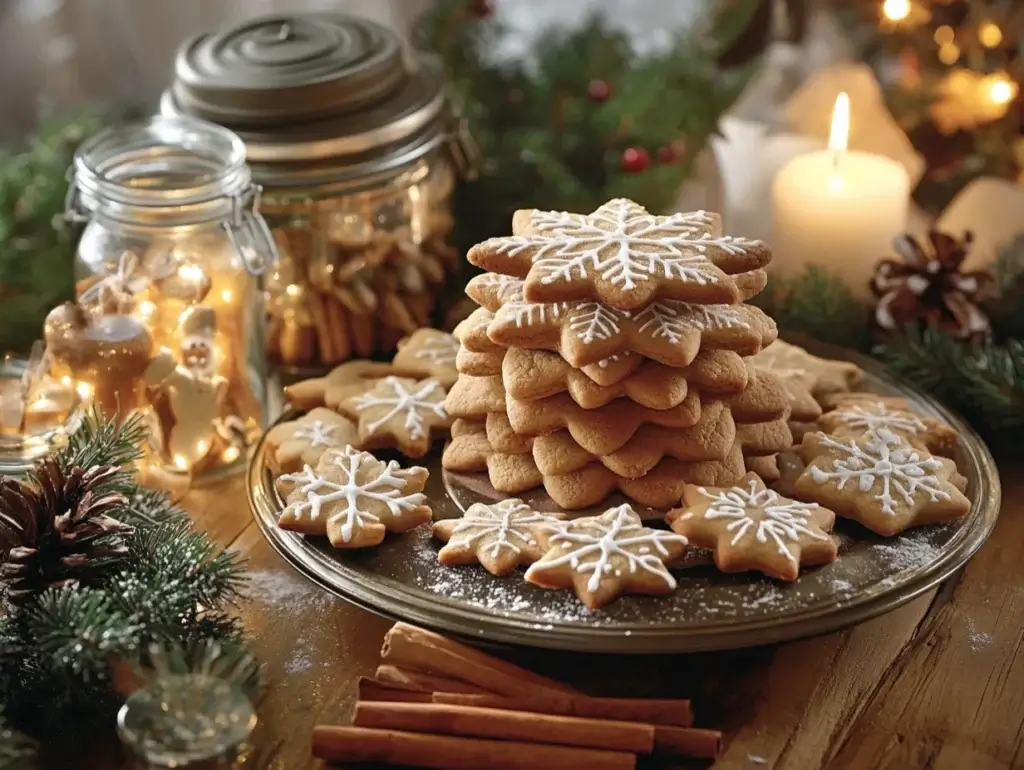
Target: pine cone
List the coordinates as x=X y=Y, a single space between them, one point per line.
x=57 y=530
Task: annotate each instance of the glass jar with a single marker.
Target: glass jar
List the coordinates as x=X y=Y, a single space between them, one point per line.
x=357 y=152
x=169 y=316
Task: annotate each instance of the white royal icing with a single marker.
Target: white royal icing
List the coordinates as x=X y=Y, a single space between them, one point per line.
x=781 y=521
x=317 y=433
x=439 y=349
x=319 y=491
x=623 y=244
x=510 y=524
x=414 y=404
x=620 y=533
x=884 y=461
x=876 y=414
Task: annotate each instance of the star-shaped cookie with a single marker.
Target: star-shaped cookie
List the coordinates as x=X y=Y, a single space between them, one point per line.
x=303 y=441
x=602 y=557
x=823 y=375
x=858 y=413
x=353 y=498
x=750 y=527
x=428 y=353
x=880 y=480
x=399 y=412
x=349 y=379
x=621 y=256
x=500 y=536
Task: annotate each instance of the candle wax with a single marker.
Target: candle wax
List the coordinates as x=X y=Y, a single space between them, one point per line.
x=839 y=211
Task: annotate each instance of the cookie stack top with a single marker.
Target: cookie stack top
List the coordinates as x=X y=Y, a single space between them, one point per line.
x=620 y=337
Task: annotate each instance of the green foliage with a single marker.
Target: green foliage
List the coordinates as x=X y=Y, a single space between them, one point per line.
x=169 y=595
x=546 y=143
x=17 y=750
x=36 y=246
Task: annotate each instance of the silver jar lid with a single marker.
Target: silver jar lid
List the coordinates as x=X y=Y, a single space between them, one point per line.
x=310 y=87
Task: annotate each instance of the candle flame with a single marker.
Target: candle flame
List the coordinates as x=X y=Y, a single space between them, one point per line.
x=839 y=135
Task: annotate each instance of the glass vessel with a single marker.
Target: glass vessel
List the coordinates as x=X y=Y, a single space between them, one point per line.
x=169 y=315
x=357 y=151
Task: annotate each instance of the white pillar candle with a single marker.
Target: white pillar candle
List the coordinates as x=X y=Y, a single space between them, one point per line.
x=838 y=209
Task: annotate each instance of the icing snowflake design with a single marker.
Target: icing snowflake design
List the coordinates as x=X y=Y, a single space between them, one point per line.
x=781 y=521
x=671 y=319
x=884 y=461
x=439 y=349
x=875 y=415
x=589 y=546
x=506 y=526
x=319 y=491
x=623 y=244
x=318 y=433
x=414 y=404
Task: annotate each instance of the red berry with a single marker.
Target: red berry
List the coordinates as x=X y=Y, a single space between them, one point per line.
x=635 y=160
x=598 y=90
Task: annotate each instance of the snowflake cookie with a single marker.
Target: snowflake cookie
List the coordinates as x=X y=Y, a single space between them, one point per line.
x=622 y=256
x=351 y=378
x=667 y=330
x=399 y=412
x=353 y=498
x=750 y=527
x=428 y=353
x=500 y=536
x=303 y=441
x=601 y=557
x=824 y=376
x=880 y=480
x=858 y=413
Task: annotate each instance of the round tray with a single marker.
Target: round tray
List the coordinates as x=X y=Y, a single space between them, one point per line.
x=710 y=611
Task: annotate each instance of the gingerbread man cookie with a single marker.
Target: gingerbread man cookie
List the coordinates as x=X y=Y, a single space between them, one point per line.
x=750 y=527
x=601 y=557
x=353 y=498
x=499 y=537
x=399 y=412
x=303 y=441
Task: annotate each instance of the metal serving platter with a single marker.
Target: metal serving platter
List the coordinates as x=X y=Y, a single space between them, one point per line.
x=710 y=611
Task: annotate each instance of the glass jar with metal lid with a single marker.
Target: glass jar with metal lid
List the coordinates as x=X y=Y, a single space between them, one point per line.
x=357 y=152
x=169 y=315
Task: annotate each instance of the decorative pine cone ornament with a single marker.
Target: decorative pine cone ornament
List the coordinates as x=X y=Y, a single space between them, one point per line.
x=928 y=287
x=57 y=530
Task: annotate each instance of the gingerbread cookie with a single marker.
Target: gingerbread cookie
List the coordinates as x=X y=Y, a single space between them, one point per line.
x=513 y=474
x=764 y=438
x=468 y=449
x=428 y=353
x=472 y=333
x=750 y=527
x=762 y=400
x=499 y=537
x=353 y=498
x=859 y=413
x=479 y=364
x=880 y=480
x=600 y=431
x=303 y=441
x=351 y=378
x=475 y=397
x=401 y=413
x=603 y=557
x=622 y=256
x=824 y=376
x=767 y=466
x=502 y=438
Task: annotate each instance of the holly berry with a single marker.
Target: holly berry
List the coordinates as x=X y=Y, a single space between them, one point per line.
x=635 y=160
x=598 y=91
x=670 y=153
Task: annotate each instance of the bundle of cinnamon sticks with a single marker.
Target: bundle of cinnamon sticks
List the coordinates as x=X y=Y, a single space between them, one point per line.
x=436 y=703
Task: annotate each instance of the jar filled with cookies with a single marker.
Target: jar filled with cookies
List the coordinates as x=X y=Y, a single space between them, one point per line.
x=169 y=315
x=357 y=151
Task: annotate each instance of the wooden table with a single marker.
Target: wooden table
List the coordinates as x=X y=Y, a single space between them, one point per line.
x=937 y=684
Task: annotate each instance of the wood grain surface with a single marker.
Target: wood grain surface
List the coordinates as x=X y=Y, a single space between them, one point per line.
x=937 y=684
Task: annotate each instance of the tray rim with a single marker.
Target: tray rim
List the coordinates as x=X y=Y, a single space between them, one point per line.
x=470 y=623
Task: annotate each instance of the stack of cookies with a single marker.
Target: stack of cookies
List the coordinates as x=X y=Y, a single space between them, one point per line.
x=610 y=352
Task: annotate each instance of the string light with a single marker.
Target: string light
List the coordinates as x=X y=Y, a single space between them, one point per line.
x=990 y=35
x=1001 y=90
x=949 y=53
x=896 y=10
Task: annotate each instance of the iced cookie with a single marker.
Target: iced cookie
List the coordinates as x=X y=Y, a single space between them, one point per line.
x=353 y=498
x=603 y=557
x=880 y=480
x=858 y=413
x=824 y=376
x=401 y=413
x=303 y=441
x=622 y=256
x=428 y=353
x=750 y=527
x=350 y=379
x=499 y=537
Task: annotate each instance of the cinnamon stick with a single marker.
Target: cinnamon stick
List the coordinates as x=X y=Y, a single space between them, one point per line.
x=687 y=742
x=419 y=680
x=475 y=722
x=444 y=752
x=420 y=650
x=374 y=690
x=653 y=711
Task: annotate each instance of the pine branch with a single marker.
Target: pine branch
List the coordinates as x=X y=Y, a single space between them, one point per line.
x=229 y=661
x=99 y=441
x=150 y=507
x=17 y=750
